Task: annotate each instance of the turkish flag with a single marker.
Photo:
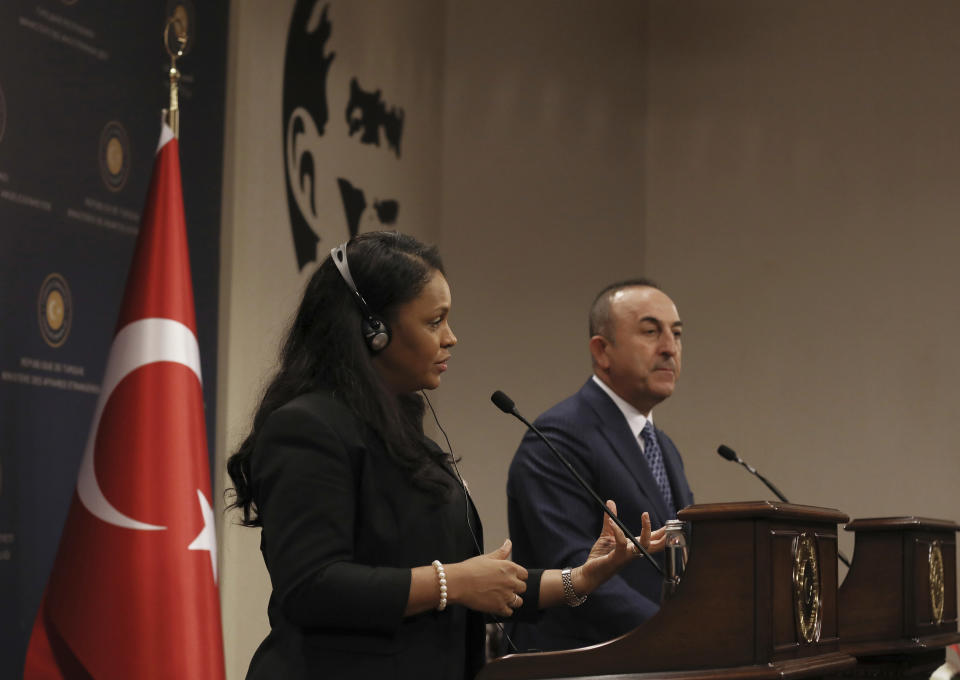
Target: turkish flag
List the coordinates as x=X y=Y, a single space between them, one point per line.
x=133 y=591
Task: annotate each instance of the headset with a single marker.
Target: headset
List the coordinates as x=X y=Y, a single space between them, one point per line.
x=376 y=333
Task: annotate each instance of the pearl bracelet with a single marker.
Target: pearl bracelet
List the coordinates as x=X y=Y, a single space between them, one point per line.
x=442 y=578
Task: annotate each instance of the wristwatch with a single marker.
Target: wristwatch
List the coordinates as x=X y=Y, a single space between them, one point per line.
x=570 y=595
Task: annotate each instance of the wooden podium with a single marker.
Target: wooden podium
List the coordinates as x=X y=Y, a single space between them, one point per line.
x=898 y=604
x=758 y=600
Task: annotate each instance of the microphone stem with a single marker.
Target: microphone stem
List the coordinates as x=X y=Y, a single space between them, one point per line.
x=774 y=489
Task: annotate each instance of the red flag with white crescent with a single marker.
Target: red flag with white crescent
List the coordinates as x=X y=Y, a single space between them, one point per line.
x=133 y=590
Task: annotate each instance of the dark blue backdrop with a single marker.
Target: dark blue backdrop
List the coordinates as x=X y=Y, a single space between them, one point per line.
x=82 y=83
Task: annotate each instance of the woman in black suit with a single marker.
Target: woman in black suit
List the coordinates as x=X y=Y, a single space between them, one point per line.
x=372 y=544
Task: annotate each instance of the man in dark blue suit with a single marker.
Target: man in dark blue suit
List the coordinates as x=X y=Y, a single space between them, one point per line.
x=606 y=432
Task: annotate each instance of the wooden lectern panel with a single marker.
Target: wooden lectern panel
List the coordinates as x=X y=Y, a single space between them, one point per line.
x=737 y=612
x=900 y=595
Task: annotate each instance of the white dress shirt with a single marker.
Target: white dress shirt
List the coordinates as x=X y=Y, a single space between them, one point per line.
x=635 y=420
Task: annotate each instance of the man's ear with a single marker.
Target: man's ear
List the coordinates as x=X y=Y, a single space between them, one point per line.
x=598 y=350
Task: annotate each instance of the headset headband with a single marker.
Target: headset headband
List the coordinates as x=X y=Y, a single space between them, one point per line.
x=339 y=255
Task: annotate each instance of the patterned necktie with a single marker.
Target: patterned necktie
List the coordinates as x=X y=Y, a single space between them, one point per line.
x=654 y=456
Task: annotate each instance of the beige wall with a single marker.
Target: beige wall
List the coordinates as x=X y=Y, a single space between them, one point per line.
x=543 y=204
x=786 y=170
x=802 y=209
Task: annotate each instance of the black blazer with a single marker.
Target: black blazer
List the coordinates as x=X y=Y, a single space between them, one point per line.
x=553 y=521
x=342 y=527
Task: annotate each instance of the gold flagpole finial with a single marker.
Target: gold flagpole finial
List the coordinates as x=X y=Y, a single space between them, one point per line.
x=179 y=42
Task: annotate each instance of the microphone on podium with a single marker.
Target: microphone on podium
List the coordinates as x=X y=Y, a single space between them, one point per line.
x=731 y=455
x=505 y=404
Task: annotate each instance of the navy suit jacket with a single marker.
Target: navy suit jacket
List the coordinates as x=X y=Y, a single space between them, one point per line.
x=554 y=522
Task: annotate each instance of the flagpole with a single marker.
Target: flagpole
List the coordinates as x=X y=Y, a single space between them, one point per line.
x=173 y=112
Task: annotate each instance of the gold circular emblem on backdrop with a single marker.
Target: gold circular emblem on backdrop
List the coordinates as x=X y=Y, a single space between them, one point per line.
x=114 y=156
x=184 y=22
x=935 y=562
x=54 y=310
x=806 y=587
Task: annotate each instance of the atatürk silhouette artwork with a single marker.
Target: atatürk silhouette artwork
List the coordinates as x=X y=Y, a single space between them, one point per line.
x=305 y=117
x=366 y=111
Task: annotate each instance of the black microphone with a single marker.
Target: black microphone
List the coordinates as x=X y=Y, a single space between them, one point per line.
x=505 y=404
x=728 y=453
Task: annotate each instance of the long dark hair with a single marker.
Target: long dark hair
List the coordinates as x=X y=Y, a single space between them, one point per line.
x=324 y=349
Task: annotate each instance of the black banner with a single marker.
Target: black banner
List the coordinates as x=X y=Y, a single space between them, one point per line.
x=82 y=83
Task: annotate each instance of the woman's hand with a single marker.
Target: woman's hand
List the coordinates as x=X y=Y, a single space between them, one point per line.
x=612 y=551
x=488 y=583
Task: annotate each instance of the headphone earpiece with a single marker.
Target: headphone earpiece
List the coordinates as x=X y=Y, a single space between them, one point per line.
x=375 y=331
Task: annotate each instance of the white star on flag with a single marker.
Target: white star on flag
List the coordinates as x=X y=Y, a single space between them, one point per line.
x=207 y=538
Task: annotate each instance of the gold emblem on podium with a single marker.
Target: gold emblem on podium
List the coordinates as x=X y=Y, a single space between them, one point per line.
x=935 y=562
x=55 y=310
x=806 y=587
